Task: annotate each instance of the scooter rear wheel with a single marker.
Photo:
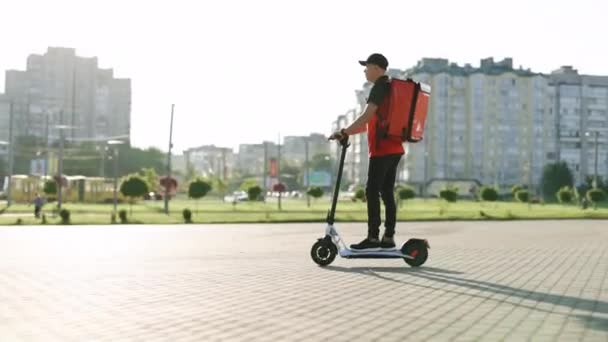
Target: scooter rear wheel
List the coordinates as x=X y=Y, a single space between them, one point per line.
x=323 y=253
x=418 y=250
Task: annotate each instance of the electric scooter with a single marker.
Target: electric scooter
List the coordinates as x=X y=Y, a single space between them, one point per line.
x=414 y=252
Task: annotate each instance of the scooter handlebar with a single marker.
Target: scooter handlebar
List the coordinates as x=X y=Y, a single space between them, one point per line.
x=342 y=141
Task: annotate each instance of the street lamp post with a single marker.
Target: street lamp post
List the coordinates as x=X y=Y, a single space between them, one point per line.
x=169 y=183
x=306 y=173
x=5 y=143
x=11 y=149
x=597 y=133
x=61 y=128
x=115 y=144
x=426 y=165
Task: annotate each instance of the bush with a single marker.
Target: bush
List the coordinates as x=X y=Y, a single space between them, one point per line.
x=122 y=214
x=198 y=188
x=596 y=195
x=315 y=192
x=50 y=188
x=565 y=195
x=360 y=194
x=43 y=218
x=133 y=187
x=187 y=214
x=489 y=194
x=515 y=189
x=406 y=193
x=523 y=196
x=65 y=216
x=450 y=195
x=254 y=192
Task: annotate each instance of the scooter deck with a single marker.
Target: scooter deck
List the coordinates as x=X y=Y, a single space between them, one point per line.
x=380 y=254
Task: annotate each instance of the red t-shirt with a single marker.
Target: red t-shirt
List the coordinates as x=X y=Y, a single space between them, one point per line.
x=381 y=146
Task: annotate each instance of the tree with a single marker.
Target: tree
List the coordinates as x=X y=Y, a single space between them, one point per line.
x=555 y=176
x=132 y=160
x=134 y=186
x=50 y=188
x=315 y=192
x=254 y=193
x=151 y=178
x=600 y=182
x=191 y=173
x=198 y=189
x=221 y=187
x=248 y=183
x=3 y=167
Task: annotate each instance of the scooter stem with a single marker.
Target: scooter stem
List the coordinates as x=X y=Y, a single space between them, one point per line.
x=332 y=212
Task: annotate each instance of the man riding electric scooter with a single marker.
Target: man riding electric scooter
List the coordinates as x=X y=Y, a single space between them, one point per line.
x=384 y=156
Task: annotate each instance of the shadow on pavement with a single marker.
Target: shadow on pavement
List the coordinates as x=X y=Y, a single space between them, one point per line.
x=592 y=322
x=450 y=277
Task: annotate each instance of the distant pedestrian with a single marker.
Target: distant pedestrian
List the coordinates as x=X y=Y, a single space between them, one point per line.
x=38 y=202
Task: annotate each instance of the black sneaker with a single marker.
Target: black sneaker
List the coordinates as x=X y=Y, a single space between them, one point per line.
x=367 y=245
x=387 y=243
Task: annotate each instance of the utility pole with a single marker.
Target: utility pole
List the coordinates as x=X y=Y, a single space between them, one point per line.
x=597 y=133
x=279 y=171
x=73 y=98
x=168 y=183
x=115 y=178
x=306 y=174
x=60 y=181
x=265 y=172
x=11 y=149
x=46 y=152
x=114 y=147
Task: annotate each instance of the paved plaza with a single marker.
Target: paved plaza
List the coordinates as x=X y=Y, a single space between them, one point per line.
x=488 y=281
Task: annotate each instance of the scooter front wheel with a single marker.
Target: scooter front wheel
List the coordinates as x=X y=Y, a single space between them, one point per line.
x=417 y=249
x=323 y=253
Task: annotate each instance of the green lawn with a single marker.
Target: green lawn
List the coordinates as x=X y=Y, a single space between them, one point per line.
x=215 y=211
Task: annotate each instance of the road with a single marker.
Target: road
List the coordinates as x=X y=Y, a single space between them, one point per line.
x=543 y=280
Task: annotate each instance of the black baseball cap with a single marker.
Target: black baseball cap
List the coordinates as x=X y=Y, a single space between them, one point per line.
x=376 y=59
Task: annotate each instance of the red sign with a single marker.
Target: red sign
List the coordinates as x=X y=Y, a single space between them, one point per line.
x=280 y=187
x=273 y=167
x=169 y=184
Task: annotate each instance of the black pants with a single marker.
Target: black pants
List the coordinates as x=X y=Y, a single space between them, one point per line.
x=381 y=182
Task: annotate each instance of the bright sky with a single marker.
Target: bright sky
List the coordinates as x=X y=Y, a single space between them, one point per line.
x=244 y=71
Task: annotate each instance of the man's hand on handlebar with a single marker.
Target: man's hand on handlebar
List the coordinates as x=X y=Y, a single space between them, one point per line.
x=339 y=135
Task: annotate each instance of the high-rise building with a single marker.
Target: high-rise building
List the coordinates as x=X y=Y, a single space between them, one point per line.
x=210 y=161
x=580 y=104
x=491 y=123
x=294 y=147
x=62 y=88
